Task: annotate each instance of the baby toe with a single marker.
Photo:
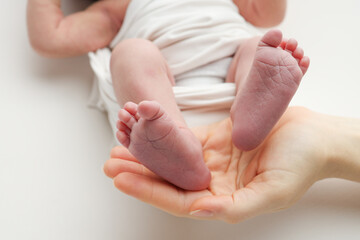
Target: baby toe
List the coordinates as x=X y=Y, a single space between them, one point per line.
x=123 y=138
x=291 y=45
x=123 y=128
x=150 y=110
x=298 y=53
x=272 y=38
x=126 y=118
x=283 y=43
x=131 y=108
x=304 y=64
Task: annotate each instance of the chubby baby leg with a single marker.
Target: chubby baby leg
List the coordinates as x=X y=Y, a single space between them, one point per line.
x=265 y=91
x=150 y=124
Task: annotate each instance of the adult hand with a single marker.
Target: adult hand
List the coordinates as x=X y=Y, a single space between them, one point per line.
x=244 y=184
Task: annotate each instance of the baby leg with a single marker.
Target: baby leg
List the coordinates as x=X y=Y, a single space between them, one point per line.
x=265 y=86
x=150 y=124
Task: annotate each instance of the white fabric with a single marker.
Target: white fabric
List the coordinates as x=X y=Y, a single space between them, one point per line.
x=197 y=38
x=189 y=33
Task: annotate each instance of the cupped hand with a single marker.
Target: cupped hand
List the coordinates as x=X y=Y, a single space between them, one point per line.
x=244 y=184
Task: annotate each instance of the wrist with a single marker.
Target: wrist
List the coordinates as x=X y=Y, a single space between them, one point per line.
x=342 y=158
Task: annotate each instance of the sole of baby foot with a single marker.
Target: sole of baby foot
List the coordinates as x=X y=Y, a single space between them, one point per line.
x=277 y=70
x=165 y=147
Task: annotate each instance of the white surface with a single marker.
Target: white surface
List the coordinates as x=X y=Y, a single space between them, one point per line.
x=52 y=146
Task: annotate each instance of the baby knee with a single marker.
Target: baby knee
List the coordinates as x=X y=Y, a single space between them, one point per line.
x=134 y=48
x=136 y=52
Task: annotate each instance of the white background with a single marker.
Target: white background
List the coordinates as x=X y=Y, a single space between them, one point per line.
x=52 y=147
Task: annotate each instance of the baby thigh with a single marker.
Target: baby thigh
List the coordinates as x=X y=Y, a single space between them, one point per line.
x=140 y=72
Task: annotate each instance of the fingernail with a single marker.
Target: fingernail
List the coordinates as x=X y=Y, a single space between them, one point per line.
x=202 y=213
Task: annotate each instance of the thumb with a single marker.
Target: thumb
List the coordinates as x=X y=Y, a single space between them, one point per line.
x=241 y=205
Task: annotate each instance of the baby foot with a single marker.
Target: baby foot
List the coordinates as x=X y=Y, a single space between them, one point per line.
x=272 y=82
x=169 y=150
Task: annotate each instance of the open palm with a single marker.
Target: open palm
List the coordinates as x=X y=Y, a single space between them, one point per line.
x=244 y=184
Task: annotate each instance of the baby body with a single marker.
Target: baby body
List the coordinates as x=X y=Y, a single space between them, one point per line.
x=151 y=42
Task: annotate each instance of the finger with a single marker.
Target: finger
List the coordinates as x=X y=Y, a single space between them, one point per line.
x=115 y=166
x=249 y=202
x=122 y=152
x=211 y=207
x=158 y=193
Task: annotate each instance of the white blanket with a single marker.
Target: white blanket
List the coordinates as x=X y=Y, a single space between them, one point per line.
x=198 y=38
